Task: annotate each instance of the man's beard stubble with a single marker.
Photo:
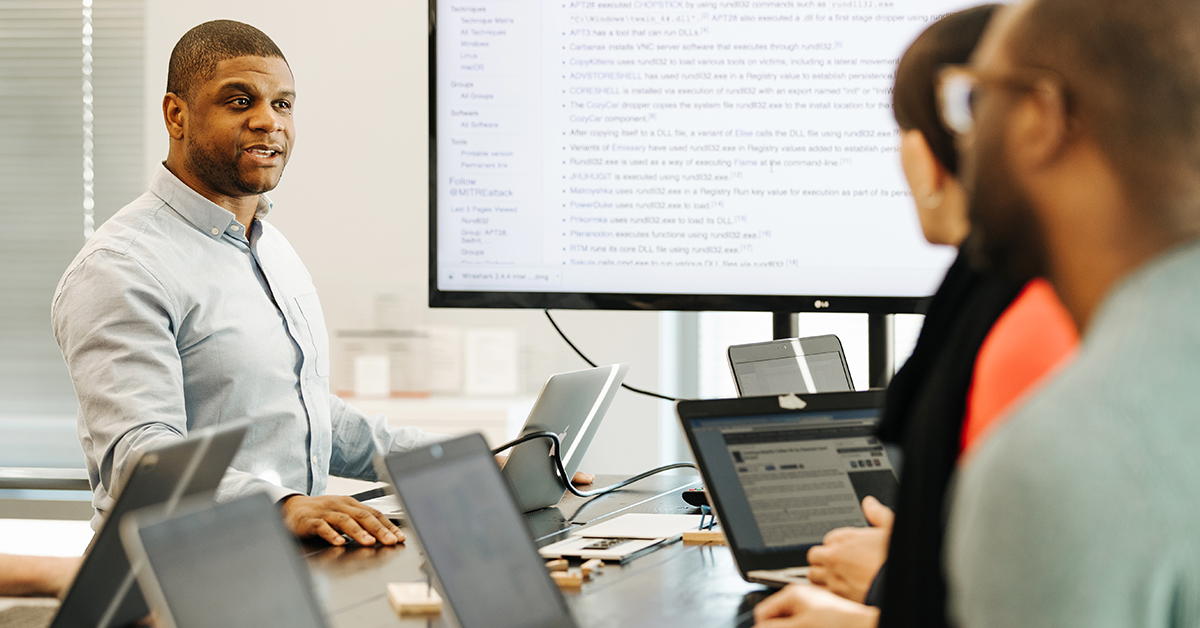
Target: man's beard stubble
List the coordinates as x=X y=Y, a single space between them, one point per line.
x=1006 y=237
x=222 y=173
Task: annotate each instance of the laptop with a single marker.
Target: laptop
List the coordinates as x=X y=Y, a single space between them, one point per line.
x=571 y=405
x=219 y=565
x=467 y=521
x=104 y=593
x=791 y=365
x=783 y=471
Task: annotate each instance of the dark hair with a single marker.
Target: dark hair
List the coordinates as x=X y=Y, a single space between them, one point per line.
x=198 y=52
x=1131 y=73
x=950 y=40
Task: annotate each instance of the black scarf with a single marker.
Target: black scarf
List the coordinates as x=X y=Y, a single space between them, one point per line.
x=926 y=403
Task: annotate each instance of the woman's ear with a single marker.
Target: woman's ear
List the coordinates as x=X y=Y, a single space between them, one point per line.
x=926 y=177
x=941 y=204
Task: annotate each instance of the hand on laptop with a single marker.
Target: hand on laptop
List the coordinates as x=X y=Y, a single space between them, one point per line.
x=329 y=516
x=806 y=606
x=849 y=559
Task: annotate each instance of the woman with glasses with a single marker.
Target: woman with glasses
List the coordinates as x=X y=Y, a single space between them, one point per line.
x=985 y=342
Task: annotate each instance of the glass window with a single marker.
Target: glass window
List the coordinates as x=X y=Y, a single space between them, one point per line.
x=71 y=138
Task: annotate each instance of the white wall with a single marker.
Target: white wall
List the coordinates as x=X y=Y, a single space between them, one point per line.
x=354 y=199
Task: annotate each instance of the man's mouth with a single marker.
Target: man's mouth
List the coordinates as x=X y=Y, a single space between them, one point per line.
x=263 y=152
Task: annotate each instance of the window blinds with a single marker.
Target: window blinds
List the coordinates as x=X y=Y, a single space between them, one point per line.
x=58 y=60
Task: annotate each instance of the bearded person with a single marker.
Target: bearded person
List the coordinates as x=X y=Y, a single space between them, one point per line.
x=188 y=309
x=1080 y=124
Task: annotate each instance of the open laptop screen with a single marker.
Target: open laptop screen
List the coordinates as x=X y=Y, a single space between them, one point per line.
x=820 y=372
x=476 y=541
x=790 y=365
x=785 y=480
x=232 y=564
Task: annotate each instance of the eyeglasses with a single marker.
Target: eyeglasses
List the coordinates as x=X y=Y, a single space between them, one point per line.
x=958 y=90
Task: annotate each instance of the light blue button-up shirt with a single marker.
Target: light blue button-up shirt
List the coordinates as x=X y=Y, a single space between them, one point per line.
x=172 y=318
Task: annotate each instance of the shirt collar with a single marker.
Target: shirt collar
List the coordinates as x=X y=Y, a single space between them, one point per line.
x=210 y=218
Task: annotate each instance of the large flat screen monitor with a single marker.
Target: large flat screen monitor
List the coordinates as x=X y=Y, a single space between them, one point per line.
x=673 y=154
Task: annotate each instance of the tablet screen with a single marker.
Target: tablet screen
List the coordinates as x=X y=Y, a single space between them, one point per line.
x=231 y=565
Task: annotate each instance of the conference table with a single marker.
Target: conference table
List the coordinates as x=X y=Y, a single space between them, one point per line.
x=678 y=585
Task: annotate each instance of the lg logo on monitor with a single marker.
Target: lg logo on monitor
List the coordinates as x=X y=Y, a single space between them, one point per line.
x=820 y=305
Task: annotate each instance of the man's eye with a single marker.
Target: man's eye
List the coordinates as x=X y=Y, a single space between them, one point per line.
x=283 y=104
x=241 y=102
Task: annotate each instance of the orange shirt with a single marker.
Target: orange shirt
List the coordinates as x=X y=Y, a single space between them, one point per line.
x=1031 y=339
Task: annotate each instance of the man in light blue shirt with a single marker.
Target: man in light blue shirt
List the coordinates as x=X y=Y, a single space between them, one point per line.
x=1082 y=120
x=187 y=309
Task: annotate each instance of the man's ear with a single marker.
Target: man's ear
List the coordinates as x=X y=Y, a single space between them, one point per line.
x=174 y=115
x=1041 y=126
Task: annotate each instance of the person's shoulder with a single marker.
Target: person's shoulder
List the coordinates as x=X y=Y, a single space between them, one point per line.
x=1094 y=451
x=118 y=247
x=1069 y=514
x=133 y=233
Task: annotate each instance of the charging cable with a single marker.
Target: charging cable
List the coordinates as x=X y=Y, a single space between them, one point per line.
x=562 y=472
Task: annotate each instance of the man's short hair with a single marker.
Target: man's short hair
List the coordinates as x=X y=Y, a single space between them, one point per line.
x=1132 y=74
x=198 y=52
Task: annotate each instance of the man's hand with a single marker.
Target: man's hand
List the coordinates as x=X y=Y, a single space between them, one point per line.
x=579 y=479
x=582 y=479
x=849 y=559
x=329 y=516
x=806 y=606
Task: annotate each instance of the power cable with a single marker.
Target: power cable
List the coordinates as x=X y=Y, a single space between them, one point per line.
x=589 y=361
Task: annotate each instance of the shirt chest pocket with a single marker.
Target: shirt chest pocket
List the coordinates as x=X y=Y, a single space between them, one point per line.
x=314 y=320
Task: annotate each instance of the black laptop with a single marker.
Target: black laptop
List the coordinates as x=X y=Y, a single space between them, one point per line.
x=783 y=471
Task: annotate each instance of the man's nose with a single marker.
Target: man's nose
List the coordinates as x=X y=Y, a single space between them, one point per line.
x=265 y=118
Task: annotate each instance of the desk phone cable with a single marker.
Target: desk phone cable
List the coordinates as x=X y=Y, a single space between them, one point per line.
x=561 y=471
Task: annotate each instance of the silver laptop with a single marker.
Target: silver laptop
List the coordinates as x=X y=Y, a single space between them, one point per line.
x=104 y=592
x=211 y=565
x=783 y=471
x=571 y=405
x=791 y=365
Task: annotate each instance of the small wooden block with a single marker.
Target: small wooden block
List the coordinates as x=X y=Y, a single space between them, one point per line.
x=716 y=537
x=558 y=564
x=567 y=580
x=413 y=598
x=592 y=566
